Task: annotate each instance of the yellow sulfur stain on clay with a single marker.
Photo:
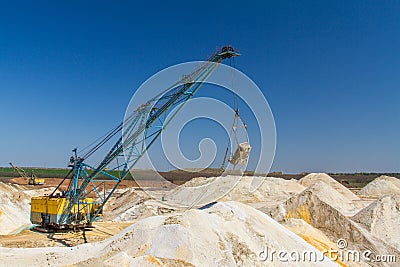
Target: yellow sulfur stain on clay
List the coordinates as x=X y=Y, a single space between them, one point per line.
x=301 y=212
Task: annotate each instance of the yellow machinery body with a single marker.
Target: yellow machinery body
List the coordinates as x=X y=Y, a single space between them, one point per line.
x=46 y=210
x=31 y=179
x=36 y=181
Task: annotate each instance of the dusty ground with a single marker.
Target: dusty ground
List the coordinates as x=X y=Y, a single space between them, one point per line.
x=32 y=239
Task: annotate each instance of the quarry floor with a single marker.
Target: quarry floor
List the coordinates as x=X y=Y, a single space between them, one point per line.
x=310 y=214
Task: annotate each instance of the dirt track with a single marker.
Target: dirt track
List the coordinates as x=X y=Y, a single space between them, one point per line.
x=32 y=239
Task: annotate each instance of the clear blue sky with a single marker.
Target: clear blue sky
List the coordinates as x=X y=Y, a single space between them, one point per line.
x=329 y=69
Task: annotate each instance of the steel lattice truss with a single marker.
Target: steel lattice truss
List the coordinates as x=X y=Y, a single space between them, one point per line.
x=141 y=129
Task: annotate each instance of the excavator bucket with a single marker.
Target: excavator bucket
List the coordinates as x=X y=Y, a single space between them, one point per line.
x=241 y=155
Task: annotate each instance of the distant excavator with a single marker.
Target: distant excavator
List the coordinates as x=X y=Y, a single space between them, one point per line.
x=31 y=179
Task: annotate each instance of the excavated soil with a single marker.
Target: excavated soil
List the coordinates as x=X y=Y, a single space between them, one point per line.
x=226 y=234
x=382 y=219
x=309 y=214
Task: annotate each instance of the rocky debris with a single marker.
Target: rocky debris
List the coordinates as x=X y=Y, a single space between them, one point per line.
x=314 y=178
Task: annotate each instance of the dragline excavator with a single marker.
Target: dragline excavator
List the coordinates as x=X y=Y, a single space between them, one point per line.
x=31 y=179
x=90 y=186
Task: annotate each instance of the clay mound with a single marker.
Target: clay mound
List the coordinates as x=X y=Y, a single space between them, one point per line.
x=309 y=207
x=383 y=185
x=312 y=235
x=382 y=219
x=272 y=190
x=226 y=234
x=198 y=181
x=335 y=198
x=313 y=178
x=14 y=209
x=135 y=204
x=202 y=191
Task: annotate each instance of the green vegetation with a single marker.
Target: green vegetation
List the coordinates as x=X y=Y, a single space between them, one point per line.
x=39 y=172
x=46 y=172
